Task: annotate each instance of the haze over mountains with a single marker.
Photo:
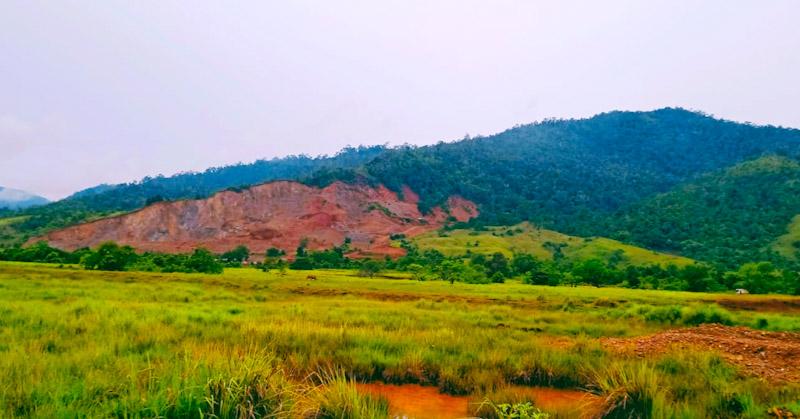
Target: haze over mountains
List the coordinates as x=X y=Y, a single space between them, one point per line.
x=17 y=199
x=670 y=179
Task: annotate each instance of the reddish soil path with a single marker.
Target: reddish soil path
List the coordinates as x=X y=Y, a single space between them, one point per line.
x=425 y=402
x=772 y=356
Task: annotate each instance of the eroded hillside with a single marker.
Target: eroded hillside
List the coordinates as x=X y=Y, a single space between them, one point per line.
x=278 y=214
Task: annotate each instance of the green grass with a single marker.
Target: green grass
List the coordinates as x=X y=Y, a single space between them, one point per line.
x=247 y=343
x=13 y=220
x=526 y=238
x=785 y=244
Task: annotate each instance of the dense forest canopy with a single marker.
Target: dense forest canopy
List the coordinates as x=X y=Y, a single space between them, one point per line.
x=666 y=179
x=732 y=215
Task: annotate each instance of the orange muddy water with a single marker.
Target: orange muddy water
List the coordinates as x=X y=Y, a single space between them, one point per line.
x=423 y=402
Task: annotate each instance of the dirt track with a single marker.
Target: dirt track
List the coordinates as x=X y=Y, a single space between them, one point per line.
x=773 y=356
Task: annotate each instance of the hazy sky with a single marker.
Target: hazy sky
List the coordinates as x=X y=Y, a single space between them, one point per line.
x=111 y=91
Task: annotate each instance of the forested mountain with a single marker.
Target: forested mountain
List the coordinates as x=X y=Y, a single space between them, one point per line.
x=106 y=199
x=569 y=175
x=731 y=216
x=670 y=179
x=15 y=199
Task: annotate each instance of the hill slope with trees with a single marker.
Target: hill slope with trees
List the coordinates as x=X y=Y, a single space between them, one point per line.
x=610 y=175
x=731 y=216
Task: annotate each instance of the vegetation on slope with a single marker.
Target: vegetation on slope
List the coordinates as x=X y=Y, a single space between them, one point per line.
x=573 y=176
x=542 y=243
x=565 y=174
x=788 y=245
x=730 y=216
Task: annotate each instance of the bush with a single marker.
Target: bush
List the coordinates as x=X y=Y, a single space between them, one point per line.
x=695 y=317
x=498 y=278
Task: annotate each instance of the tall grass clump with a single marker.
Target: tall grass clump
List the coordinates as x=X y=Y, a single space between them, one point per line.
x=337 y=397
x=630 y=390
x=258 y=389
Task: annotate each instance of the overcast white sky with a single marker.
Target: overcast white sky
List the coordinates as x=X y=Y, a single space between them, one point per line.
x=111 y=91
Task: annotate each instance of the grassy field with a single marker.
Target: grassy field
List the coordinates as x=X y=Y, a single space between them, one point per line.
x=785 y=244
x=12 y=220
x=526 y=238
x=77 y=343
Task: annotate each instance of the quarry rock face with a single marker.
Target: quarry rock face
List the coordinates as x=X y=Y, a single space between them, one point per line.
x=276 y=214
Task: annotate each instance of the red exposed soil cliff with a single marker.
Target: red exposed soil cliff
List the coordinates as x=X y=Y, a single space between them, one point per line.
x=277 y=214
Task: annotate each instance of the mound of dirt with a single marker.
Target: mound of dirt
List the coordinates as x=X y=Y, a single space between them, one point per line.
x=276 y=214
x=773 y=356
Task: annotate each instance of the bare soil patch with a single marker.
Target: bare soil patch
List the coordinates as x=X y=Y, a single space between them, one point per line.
x=762 y=304
x=415 y=401
x=772 y=356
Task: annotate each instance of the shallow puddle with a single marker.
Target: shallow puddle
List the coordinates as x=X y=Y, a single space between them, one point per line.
x=425 y=402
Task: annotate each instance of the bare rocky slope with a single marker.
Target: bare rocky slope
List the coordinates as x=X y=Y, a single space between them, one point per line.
x=277 y=214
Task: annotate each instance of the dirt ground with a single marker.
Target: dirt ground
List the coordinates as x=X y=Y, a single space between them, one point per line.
x=780 y=305
x=772 y=356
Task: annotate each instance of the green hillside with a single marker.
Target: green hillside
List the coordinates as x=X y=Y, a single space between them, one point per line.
x=567 y=175
x=670 y=179
x=788 y=245
x=526 y=238
x=731 y=216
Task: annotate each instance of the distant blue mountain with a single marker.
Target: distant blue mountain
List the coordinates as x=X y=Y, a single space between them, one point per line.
x=17 y=199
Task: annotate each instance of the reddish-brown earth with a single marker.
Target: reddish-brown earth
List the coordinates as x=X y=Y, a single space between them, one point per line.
x=773 y=356
x=277 y=214
x=415 y=401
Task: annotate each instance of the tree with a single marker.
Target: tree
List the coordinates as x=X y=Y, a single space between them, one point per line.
x=536 y=277
x=109 y=256
x=370 y=268
x=204 y=261
x=274 y=252
x=759 y=278
x=522 y=263
x=497 y=266
x=301 y=249
x=239 y=254
x=417 y=271
x=590 y=271
x=302 y=263
x=697 y=277
x=449 y=270
x=498 y=278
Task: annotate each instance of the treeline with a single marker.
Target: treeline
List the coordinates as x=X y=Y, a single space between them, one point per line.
x=113 y=257
x=757 y=278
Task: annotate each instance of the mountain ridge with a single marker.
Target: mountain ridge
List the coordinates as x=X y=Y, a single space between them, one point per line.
x=573 y=176
x=18 y=199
